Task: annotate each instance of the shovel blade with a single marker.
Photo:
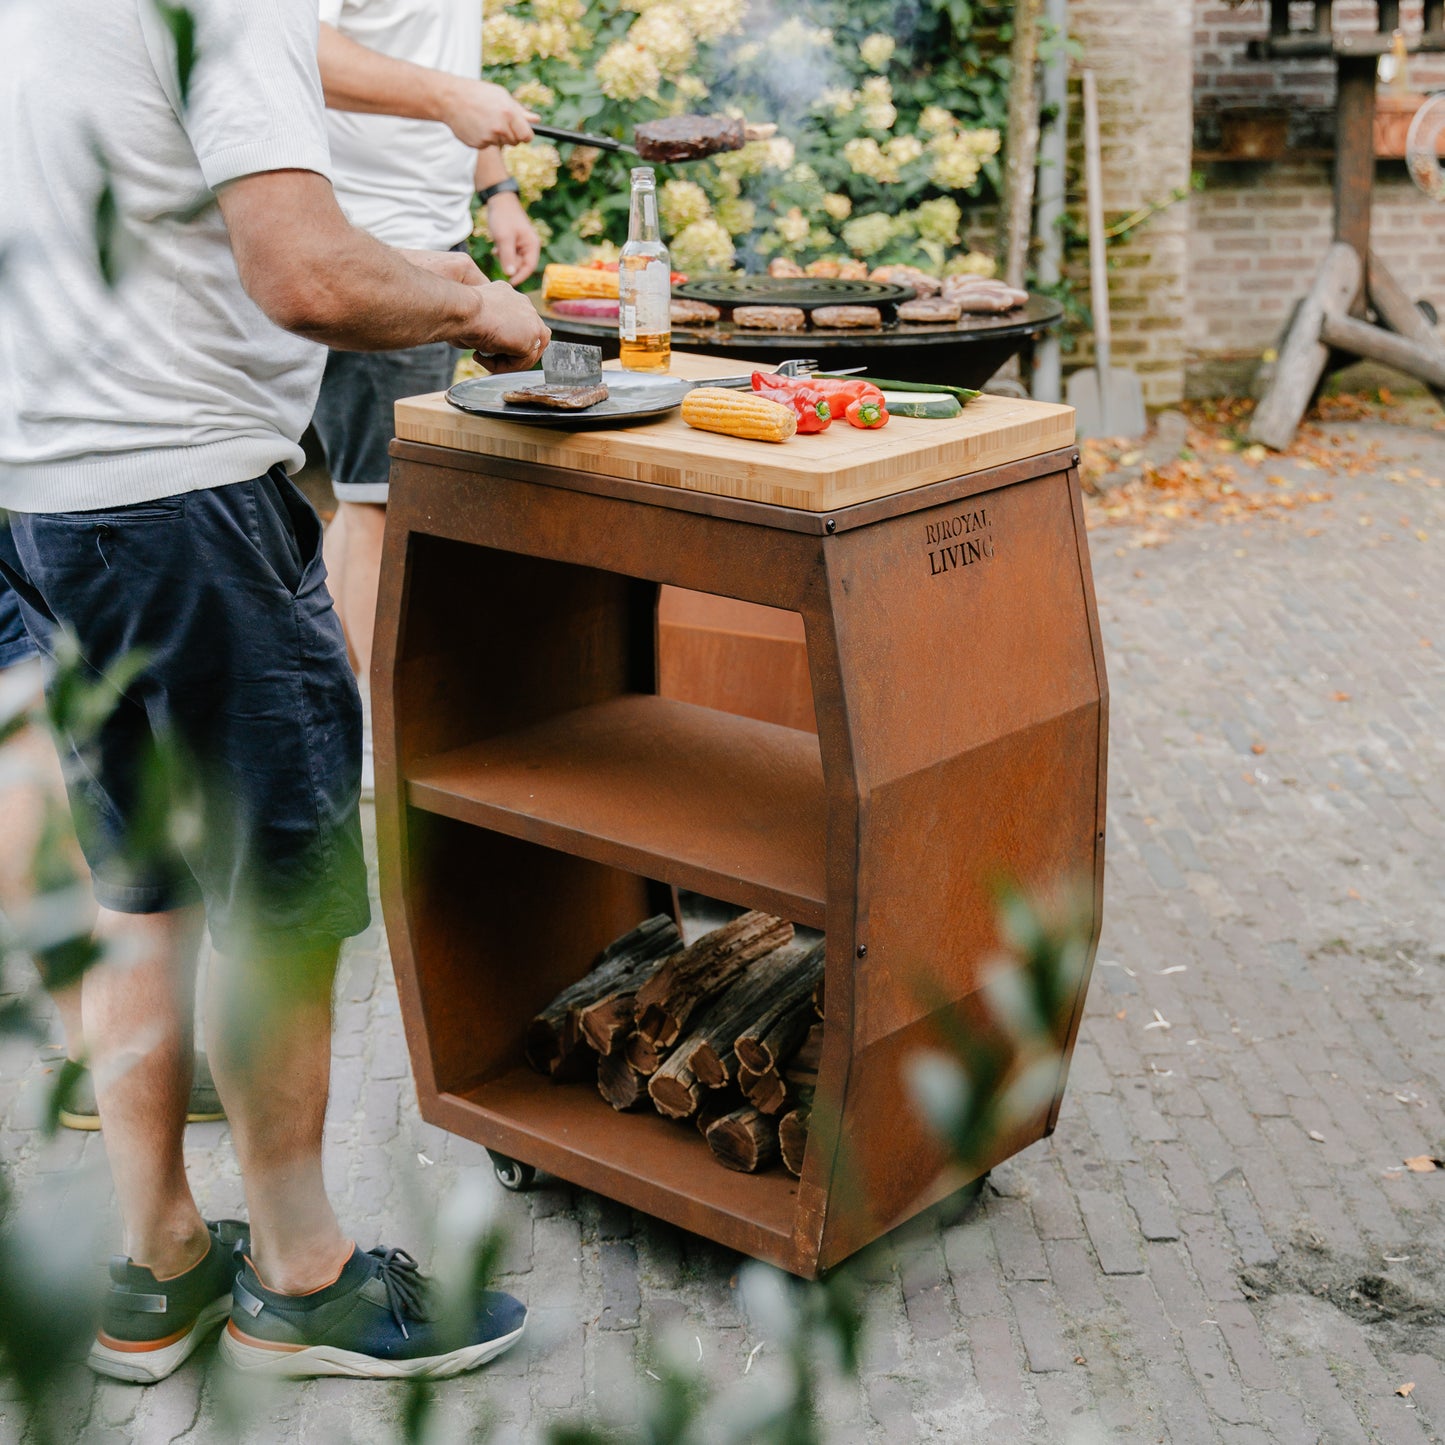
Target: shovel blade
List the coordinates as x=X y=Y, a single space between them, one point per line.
x=1113 y=409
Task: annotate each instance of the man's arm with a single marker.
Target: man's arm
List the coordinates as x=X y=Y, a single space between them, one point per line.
x=315 y=274
x=518 y=246
x=354 y=77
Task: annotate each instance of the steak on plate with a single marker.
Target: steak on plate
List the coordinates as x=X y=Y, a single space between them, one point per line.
x=557 y=398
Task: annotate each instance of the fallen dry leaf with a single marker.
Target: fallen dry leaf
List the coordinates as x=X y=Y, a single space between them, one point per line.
x=1406 y=1390
x=1424 y=1164
x=1258 y=749
x=1317 y=1136
x=1340 y=696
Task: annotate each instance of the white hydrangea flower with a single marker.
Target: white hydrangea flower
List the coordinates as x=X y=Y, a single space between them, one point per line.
x=534 y=167
x=938 y=220
x=681 y=203
x=867 y=235
x=793 y=227
x=903 y=149
x=664 y=32
x=712 y=19
x=534 y=95
x=628 y=72
x=506 y=40
x=738 y=217
x=840 y=101
x=703 y=246
x=877 y=51
x=865 y=158
x=934 y=120
x=590 y=223
x=837 y=205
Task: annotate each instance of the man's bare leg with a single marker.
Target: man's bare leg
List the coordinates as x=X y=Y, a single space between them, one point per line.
x=268 y=1024
x=138 y=1006
x=35 y=782
x=352 y=552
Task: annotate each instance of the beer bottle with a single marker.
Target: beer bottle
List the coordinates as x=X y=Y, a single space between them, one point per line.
x=645 y=283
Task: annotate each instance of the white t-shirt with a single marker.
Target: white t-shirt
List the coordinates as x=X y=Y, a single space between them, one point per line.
x=409 y=182
x=174 y=380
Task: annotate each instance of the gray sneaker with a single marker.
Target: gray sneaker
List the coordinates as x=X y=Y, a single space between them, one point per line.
x=203 y=1107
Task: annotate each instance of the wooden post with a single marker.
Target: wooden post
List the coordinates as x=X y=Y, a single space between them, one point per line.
x=1324 y=17
x=1361 y=339
x=1021 y=159
x=1397 y=311
x=1303 y=356
x=1355 y=152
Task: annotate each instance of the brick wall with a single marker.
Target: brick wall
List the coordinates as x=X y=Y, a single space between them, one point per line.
x=1141 y=51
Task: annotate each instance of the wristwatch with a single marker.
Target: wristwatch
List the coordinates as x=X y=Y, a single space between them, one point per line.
x=508 y=186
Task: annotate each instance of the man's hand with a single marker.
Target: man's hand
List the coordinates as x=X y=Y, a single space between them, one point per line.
x=508 y=335
x=482 y=114
x=514 y=237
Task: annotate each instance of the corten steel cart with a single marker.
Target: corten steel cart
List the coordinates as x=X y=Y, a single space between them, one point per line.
x=536 y=797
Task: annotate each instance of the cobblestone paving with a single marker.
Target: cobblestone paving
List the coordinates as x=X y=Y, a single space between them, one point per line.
x=1220 y=1243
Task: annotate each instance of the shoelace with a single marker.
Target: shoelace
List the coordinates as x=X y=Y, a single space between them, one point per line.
x=405 y=1286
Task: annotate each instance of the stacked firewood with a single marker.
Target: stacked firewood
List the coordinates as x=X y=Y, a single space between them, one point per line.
x=725 y=1032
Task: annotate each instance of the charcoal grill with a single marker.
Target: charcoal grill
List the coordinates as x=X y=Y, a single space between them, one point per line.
x=964 y=353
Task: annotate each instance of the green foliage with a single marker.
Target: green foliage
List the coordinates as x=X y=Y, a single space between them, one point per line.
x=889 y=119
x=182 y=25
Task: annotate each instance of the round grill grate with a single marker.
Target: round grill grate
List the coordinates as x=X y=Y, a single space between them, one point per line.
x=806 y=292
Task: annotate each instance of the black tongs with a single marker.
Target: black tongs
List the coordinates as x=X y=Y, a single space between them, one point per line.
x=582 y=138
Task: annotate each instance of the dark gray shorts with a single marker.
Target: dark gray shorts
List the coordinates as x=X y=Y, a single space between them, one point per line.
x=245 y=682
x=16 y=644
x=354 y=416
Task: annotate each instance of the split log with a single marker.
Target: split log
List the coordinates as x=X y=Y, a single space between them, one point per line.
x=801 y=1071
x=554 y=1040
x=775 y=1033
x=605 y=1018
x=1359 y=338
x=744 y=1140
x=689 y=979
x=818 y=996
x=705 y=1058
x=766 y=1092
x=1304 y=354
x=793 y=1139
x=749 y=997
x=644 y=1055
x=717 y=1106
x=619 y=1083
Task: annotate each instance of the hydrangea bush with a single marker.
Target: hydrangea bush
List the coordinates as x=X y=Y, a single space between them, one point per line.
x=889 y=118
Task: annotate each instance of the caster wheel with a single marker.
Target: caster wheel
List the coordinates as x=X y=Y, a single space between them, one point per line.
x=511 y=1174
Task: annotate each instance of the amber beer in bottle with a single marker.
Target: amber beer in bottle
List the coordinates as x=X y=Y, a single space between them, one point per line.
x=645 y=283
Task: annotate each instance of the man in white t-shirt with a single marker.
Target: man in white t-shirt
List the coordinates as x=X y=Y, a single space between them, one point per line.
x=414 y=135
x=171 y=253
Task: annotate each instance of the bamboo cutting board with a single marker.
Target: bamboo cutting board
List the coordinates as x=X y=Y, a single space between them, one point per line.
x=839 y=468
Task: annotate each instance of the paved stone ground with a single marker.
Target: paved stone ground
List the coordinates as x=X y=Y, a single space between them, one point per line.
x=1220 y=1243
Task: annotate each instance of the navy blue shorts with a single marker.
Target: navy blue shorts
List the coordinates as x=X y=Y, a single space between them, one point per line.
x=355 y=417
x=16 y=644
x=245 y=680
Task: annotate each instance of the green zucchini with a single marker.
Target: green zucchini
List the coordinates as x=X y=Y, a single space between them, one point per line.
x=937 y=408
x=961 y=392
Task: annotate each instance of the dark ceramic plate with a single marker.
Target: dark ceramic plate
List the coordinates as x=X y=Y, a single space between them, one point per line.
x=633 y=396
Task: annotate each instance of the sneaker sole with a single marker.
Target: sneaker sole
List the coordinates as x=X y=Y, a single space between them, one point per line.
x=313 y=1360
x=90 y=1123
x=145 y=1365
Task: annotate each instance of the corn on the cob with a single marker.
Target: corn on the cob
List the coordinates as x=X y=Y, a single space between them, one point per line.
x=577 y=283
x=738 y=414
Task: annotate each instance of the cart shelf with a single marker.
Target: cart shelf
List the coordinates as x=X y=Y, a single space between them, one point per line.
x=567 y=1129
x=700 y=799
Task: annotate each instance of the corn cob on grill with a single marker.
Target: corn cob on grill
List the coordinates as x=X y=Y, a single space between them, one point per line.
x=738 y=414
x=577 y=283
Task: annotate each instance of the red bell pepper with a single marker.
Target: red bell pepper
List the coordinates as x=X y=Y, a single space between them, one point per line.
x=867 y=413
x=814 y=411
